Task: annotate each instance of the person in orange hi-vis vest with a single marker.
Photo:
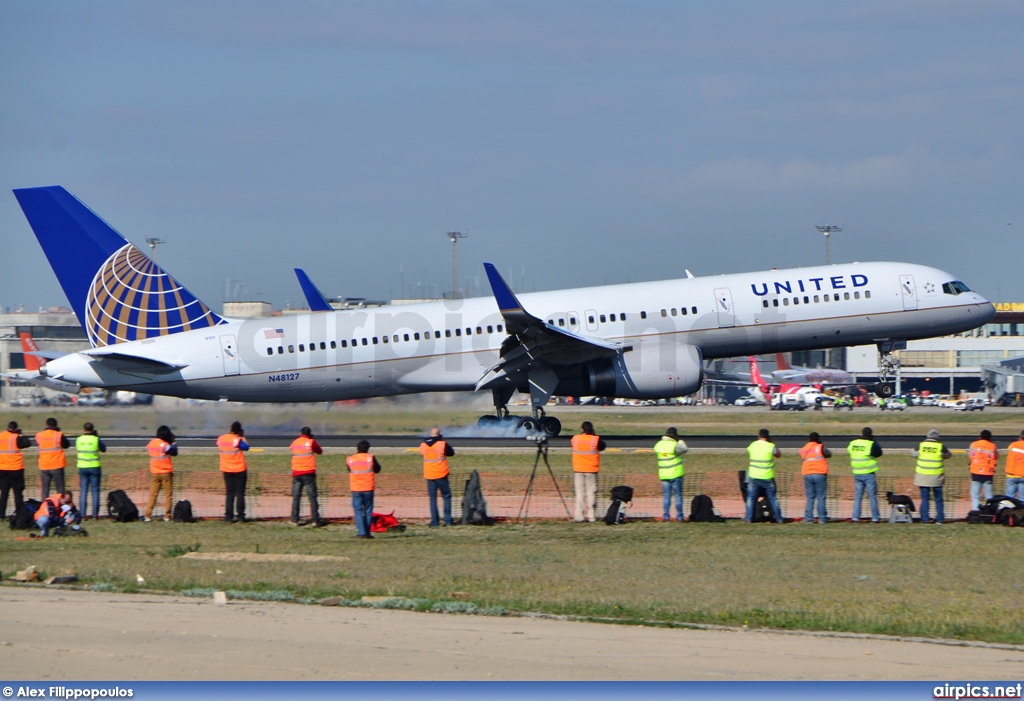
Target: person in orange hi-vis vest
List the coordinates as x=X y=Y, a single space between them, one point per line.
x=304 y=451
x=52 y=443
x=12 y=467
x=232 y=447
x=161 y=472
x=1015 y=469
x=815 y=469
x=436 y=451
x=586 y=462
x=58 y=511
x=362 y=467
x=983 y=456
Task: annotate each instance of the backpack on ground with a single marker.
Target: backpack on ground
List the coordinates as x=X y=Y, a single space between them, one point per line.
x=382 y=523
x=25 y=518
x=1012 y=517
x=622 y=493
x=616 y=513
x=120 y=507
x=978 y=516
x=474 y=506
x=762 y=510
x=183 y=512
x=702 y=509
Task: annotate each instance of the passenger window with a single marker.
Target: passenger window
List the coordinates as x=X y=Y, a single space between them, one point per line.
x=447 y=333
x=693 y=310
x=867 y=294
x=301 y=347
x=764 y=303
x=825 y=298
x=673 y=311
x=856 y=295
x=323 y=346
x=469 y=332
x=490 y=329
x=785 y=301
x=643 y=315
x=664 y=313
x=364 y=342
x=344 y=344
x=291 y=349
x=405 y=337
x=572 y=321
x=846 y=296
x=603 y=319
x=807 y=300
x=384 y=339
x=682 y=310
x=622 y=317
x=816 y=300
x=416 y=336
x=612 y=317
x=796 y=300
x=836 y=297
x=499 y=328
x=590 y=320
x=479 y=331
x=280 y=350
x=458 y=332
x=270 y=351
x=375 y=340
x=775 y=302
x=437 y=334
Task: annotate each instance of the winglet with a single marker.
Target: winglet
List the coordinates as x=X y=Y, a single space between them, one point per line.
x=503 y=294
x=314 y=298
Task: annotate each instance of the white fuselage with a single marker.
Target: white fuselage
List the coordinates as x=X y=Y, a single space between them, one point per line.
x=449 y=346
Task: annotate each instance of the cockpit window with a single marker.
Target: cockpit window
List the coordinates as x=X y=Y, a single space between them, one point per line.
x=955 y=288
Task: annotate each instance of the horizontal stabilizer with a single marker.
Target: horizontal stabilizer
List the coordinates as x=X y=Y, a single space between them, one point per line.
x=314 y=298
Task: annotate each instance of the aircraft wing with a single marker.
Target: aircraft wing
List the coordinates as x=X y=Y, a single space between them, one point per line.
x=46 y=354
x=314 y=297
x=535 y=347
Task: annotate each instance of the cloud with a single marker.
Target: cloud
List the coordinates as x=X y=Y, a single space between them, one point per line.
x=879 y=171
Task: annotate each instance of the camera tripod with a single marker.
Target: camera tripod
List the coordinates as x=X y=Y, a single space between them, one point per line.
x=524 y=508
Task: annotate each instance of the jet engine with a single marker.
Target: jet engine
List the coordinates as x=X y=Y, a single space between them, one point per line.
x=653 y=370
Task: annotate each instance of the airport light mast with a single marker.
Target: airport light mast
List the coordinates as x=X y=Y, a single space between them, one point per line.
x=828 y=230
x=153 y=243
x=455 y=236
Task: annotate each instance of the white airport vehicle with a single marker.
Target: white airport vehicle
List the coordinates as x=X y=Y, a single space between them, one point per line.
x=644 y=340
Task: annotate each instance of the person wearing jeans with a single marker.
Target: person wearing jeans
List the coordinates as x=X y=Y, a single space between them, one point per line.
x=669 y=451
x=930 y=474
x=88 y=447
x=1015 y=469
x=761 y=474
x=983 y=456
x=864 y=453
x=362 y=467
x=815 y=470
x=436 y=451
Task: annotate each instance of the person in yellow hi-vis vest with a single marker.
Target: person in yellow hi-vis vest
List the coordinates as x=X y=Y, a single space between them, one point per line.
x=669 y=451
x=761 y=474
x=864 y=453
x=930 y=474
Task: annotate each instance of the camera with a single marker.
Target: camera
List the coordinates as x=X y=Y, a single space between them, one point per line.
x=538 y=438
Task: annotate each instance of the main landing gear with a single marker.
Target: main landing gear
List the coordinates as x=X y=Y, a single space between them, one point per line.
x=538 y=423
x=888 y=364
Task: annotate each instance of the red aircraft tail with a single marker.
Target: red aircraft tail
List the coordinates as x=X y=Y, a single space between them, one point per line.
x=28 y=346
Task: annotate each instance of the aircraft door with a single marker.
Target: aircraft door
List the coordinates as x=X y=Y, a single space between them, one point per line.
x=909 y=291
x=573 y=321
x=229 y=352
x=723 y=302
x=591 y=320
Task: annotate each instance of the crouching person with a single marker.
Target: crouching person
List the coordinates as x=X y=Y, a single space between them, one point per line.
x=58 y=512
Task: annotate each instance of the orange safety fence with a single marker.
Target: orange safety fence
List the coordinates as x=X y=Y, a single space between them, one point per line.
x=269 y=496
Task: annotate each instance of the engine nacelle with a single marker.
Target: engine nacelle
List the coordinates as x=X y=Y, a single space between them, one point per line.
x=652 y=370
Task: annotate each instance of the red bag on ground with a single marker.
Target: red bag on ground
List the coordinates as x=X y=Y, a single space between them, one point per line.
x=380 y=523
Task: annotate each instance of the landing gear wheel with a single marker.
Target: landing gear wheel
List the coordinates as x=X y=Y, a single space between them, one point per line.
x=487 y=421
x=885 y=389
x=551 y=426
x=528 y=423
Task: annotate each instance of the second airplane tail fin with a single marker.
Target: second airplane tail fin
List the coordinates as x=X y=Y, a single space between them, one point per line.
x=115 y=290
x=28 y=347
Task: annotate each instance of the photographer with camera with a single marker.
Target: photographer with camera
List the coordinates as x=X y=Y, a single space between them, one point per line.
x=161 y=449
x=232 y=447
x=12 y=467
x=436 y=451
x=586 y=463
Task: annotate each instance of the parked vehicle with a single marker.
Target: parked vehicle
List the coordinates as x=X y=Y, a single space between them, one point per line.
x=976 y=404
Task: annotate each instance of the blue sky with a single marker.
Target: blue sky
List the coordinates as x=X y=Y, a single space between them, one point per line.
x=577 y=142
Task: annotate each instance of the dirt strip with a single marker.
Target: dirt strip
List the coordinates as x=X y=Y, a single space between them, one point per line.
x=77 y=635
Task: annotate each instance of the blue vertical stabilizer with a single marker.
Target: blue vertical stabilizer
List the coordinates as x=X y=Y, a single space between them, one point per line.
x=115 y=290
x=314 y=298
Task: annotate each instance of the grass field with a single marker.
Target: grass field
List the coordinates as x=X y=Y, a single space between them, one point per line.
x=417 y=416
x=955 y=580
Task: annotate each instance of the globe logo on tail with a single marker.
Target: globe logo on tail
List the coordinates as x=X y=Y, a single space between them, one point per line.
x=132 y=298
